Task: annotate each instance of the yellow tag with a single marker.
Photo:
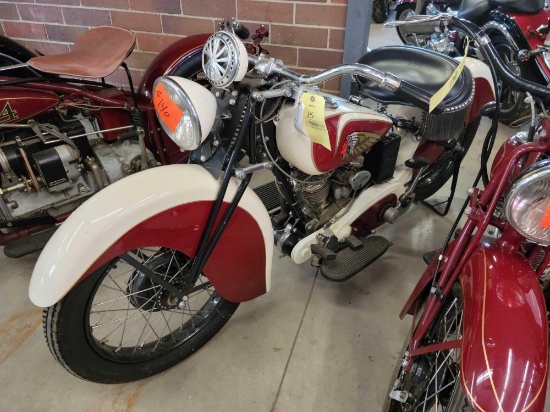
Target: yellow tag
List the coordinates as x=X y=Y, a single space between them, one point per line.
x=441 y=93
x=314 y=118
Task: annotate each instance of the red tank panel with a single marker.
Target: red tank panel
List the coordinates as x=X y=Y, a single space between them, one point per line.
x=18 y=104
x=237 y=273
x=357 y=137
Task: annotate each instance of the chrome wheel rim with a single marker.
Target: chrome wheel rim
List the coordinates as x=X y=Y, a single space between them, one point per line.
x=435 y=390
x=130 y=325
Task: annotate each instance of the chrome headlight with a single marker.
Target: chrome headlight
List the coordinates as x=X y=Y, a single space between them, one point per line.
x=527 y=204
x=185 y=109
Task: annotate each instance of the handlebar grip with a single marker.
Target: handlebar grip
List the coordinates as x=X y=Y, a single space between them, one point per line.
x=242 y=31
x=417 y=96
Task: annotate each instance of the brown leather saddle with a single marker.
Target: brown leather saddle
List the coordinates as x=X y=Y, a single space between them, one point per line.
x=96 y=53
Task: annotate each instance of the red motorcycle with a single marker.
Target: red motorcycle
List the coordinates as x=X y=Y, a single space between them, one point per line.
x=64 y=139
x=517 y=29
x=479 y=339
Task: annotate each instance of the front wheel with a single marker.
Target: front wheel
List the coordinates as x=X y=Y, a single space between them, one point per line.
x=433 y=381
x=117 y=325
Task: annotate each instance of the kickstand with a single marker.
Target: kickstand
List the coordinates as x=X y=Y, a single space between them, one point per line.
x=449 y=200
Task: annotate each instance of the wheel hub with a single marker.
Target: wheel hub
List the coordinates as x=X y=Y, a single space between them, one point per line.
x=146 y=295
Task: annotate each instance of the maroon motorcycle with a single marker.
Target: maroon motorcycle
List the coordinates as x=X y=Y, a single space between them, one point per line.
x=518 y=30
x=479 y=339
x=63 y=139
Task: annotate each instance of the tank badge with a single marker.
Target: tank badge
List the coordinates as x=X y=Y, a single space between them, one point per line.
x=357 y=143
x=8 y=114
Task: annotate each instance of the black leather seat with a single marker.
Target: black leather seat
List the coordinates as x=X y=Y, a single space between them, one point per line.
x=519 y=6
x=423 y=68
x=476 y=10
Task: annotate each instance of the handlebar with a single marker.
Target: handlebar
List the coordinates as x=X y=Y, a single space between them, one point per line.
x=402 y=88
x=490 y=53
x=386 y=81
x=486 y=47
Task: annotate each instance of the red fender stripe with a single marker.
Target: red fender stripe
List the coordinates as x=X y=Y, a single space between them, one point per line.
x=237 y=265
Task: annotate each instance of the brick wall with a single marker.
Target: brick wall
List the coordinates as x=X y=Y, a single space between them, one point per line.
x=306 y=34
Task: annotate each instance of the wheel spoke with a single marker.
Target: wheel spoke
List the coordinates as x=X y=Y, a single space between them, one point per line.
x=435 y=387
x=132 y=317
x=165 y=326
x=118 y=320
x=152 y=330
x=147 y=319
x=125 y=296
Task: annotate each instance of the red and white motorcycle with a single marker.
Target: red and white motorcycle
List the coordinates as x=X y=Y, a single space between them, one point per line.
x=148 y=270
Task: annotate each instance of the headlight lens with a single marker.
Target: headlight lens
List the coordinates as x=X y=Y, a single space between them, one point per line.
x=176 y=113
x=527 y=204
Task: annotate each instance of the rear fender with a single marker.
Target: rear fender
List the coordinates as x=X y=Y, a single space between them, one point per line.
x=12 y=53
x=504 y=357
x=484 y=87
x=167 y=207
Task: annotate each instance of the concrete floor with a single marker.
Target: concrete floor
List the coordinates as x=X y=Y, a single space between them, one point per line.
x=307 y=345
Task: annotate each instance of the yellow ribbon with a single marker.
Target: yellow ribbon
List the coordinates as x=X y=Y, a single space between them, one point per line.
x=441 y=93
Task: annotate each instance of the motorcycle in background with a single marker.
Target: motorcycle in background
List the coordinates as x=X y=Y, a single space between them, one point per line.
x=407 y=8
x=64 y=139
x=151 y=268
x=518 y=30
x=479 y=338
x=380 y=10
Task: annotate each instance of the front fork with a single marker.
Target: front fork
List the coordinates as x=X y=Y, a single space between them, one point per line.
x=451 y=264
x=480 y=209
x=212 y=233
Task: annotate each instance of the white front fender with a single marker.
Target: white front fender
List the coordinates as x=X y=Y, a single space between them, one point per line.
x=97 y=225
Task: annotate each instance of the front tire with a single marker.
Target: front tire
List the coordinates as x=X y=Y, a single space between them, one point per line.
x=118 y=326
x=433 y=382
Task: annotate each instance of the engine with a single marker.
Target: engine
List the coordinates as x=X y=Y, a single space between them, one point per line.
x=50 y=164
x=321 y=197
